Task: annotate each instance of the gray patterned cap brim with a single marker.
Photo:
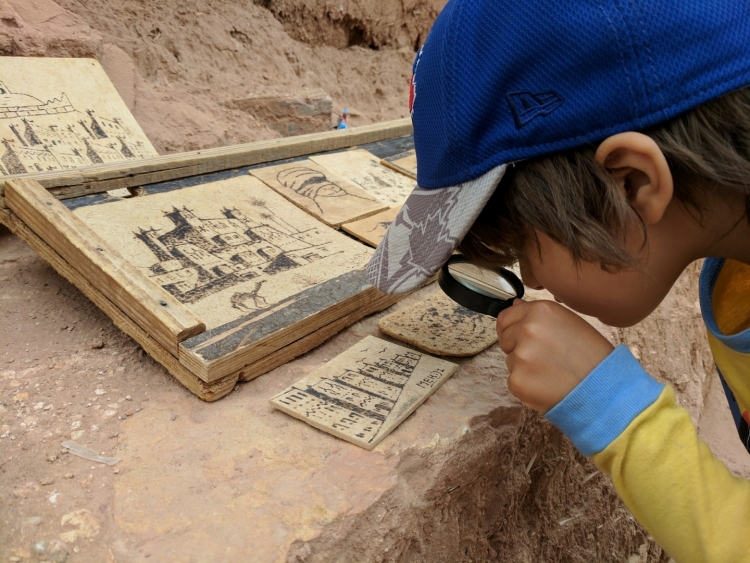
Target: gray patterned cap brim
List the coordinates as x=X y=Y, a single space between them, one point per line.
x=426 y=231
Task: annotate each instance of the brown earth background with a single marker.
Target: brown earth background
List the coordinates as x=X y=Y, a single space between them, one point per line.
x=186 y=70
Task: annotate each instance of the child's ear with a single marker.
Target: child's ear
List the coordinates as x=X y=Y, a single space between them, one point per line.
x=639 y=167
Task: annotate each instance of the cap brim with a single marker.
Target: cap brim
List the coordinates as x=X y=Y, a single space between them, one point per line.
x=427 y=230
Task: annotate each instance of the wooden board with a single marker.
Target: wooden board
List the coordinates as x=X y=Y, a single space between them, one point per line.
x=100 y=178
x=364 y=169
x=441 y=326
x=363 y=394
x=206 y=391
x=372 y=229
x=153 y=308
x=59 y=114
x=260 y=272
x=405 y=163
x=320 y=192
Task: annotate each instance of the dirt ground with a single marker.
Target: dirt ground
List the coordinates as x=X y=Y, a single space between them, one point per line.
x=67 y=373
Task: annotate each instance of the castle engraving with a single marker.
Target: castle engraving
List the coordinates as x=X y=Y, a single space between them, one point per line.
x=201 y=256
x=39 y=136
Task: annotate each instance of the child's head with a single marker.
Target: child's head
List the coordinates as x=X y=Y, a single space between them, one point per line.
x=558 y=110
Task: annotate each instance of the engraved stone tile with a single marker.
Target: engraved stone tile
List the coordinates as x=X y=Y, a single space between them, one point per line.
x=363 y=394
x=405 y=163
x=322 y=193
x=57 y=114
x=441 y=326
x=364 y=169
x=372 y=229
x=232 y=251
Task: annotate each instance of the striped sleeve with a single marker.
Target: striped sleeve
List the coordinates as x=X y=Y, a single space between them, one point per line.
x=686 y=499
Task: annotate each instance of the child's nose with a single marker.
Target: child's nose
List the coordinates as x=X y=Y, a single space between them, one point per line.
x=527 y=277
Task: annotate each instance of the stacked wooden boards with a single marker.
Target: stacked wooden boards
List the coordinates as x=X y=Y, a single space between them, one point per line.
x=253 y=280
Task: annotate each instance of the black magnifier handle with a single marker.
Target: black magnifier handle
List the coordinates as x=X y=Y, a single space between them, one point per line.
x=474 y=299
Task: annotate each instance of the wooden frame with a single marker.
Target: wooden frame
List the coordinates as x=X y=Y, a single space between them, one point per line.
x=54 y=234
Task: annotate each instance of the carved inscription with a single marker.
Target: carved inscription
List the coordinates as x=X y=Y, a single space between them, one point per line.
x=366 y=392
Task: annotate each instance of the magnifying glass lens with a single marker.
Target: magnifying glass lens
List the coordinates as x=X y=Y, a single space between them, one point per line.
x=483 y=290
x=487 y=282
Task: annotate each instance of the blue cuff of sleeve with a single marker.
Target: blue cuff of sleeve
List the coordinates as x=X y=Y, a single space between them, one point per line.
x=604 y=404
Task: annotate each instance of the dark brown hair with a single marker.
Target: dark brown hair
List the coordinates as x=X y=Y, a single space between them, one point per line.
x=571 y=198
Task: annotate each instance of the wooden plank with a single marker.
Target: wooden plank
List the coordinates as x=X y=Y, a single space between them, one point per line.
x=363 y=394
x=320 y=192
x=372 y=229
x=364 y=169
x=307 y=343
x=104 y=177
x=441 y=326
x=206 y=391
x=152 y=308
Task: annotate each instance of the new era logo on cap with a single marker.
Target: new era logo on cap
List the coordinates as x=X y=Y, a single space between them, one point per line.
x=527 y=106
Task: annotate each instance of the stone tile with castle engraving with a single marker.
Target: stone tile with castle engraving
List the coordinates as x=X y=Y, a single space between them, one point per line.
x=366 y=392
x=226 y=249
x=57 y=114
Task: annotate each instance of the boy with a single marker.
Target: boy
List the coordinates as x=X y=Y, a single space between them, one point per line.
x=605 y=145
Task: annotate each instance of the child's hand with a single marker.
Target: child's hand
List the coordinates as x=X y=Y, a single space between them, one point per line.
x=550 y=350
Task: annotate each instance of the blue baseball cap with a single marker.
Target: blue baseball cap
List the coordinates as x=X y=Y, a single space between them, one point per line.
x=499 y=81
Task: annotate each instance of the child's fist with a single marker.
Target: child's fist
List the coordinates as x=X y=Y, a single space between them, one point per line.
x=550 y=350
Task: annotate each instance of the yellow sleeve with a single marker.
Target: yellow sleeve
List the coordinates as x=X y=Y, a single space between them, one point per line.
x=687 y=500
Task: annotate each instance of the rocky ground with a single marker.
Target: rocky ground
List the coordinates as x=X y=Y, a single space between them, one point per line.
x=472 y=476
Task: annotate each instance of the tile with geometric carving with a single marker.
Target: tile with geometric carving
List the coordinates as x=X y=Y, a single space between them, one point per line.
x=441 y=326
x=364 y=393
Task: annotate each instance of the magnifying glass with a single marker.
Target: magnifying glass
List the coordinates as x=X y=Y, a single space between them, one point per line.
x=480 y=289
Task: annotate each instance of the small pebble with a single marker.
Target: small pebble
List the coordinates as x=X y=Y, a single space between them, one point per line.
x=46 y=481
x=51 y=458
x=100 y=392
x=69 y=475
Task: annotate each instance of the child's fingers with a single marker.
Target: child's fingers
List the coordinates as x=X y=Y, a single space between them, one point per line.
x=508 y=338
x=511 y=315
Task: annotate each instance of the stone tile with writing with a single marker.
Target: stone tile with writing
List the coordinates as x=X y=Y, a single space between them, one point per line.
x=364 y=393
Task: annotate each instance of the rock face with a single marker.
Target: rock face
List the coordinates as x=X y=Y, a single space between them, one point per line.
x=472 y=475
x=377 y=25
x=290 y=115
